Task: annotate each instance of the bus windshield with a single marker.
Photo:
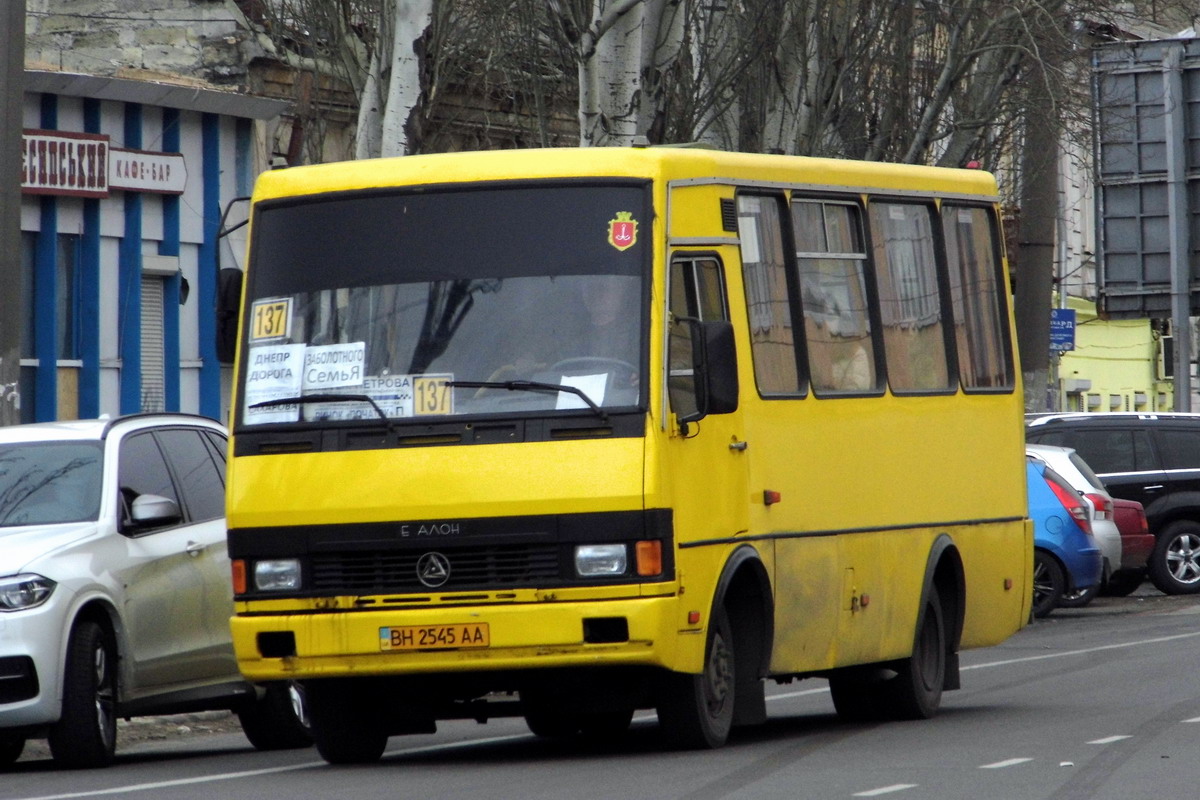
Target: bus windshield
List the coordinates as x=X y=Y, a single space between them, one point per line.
x=446 y=303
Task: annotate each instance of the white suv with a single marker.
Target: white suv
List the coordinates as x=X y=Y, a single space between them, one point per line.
x=115 y=592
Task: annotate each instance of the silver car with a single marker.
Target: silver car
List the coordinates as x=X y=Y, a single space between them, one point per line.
x=1071 y=466
x=115 y=592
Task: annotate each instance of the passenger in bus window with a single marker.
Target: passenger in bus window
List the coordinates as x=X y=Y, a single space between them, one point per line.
x=852 y=369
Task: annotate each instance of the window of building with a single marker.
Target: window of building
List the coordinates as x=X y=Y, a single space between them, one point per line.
x=66 y=297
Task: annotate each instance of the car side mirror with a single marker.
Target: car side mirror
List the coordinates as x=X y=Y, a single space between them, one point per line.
x=152 y=510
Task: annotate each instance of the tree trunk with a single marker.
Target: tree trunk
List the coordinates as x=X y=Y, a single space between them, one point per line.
x=1035 y=248
x=393 y=87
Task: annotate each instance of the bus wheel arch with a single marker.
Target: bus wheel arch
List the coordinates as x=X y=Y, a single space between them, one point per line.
x=698 y=711
x=744 y=592
x=945 y=575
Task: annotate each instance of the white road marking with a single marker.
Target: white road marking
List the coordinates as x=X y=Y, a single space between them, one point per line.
x=1065 y=653
x=227 y=776
x=1009 y=762
x=146 y=787
x=895 y=787
x=1109 y=739
x=1193 y=719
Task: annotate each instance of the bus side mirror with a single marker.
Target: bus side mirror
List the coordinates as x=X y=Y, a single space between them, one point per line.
x=702 y=376
x=229 y=305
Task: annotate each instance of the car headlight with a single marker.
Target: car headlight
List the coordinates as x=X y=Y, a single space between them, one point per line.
x=277 y=575
x=19 y=592
x=600 y=560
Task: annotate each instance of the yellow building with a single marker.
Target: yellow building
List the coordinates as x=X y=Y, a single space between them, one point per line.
x=1117 y=365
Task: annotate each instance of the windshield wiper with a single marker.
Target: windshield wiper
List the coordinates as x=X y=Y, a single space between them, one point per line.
x=328 y=398
x=534 y=386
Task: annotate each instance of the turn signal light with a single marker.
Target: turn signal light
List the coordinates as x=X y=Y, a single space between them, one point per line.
x=238 y=567
x=649 y=558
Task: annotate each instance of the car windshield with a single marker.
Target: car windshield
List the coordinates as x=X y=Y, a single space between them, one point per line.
x=450 y=303
x=49 y=482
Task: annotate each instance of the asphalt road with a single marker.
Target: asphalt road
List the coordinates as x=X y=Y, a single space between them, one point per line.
x=1091 y=704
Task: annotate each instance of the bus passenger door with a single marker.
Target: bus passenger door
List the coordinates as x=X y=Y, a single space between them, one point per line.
x=707 y=467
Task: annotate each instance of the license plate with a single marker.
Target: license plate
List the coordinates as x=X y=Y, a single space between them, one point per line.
x=434 y=637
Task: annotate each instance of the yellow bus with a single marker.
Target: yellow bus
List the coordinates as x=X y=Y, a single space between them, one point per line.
x=563 y=434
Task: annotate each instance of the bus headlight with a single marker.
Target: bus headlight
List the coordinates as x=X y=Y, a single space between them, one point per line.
x=600 y=560
x=277 y=575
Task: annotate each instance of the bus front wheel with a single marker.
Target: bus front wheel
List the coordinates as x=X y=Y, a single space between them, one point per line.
x=696 y=711
x=345 y=723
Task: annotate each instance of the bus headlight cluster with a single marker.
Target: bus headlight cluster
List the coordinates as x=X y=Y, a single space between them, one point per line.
x=600 y=560
x=277 y=575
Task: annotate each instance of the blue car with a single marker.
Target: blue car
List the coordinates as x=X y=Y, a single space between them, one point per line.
x=1066 y=558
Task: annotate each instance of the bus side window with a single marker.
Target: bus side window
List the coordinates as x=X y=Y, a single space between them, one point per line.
x=697 y=292
x=768 y=295
x=910 y=303
x=977 y=297
x=831 y=260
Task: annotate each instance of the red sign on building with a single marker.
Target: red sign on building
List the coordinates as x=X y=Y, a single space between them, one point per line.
x=85 y=165
x=64 y=163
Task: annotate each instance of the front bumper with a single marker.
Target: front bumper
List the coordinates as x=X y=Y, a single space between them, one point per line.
x=522 y=636
x=31 y=644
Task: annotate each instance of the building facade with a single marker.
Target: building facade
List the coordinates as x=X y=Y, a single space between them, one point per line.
x=124 y=184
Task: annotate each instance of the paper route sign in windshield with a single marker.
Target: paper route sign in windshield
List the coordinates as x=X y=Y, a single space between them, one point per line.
x=294 y=370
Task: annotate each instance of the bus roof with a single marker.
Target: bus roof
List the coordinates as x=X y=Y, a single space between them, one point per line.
x=661 y=163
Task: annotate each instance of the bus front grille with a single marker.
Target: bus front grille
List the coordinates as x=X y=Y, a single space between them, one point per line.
x=509 y=566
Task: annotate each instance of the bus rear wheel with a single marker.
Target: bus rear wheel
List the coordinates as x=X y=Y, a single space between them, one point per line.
x=907 y=689
x=696 y=711
x=552 y=725
x=916 y=691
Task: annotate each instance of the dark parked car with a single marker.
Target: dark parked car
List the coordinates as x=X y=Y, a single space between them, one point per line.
x=1153 y=459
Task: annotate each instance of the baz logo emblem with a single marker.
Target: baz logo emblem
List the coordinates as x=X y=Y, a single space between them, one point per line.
x=433 y=570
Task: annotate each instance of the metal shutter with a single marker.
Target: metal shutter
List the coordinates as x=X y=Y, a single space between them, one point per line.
x=153 y=380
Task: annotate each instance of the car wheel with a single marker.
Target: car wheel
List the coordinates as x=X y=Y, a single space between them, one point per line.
x=11 y=748
x=1175 y=563
x=278 y=719
x=1123 y=584
x=86 y=733
x=345 y=723
x=1047 y=583
x=1079 y=598
x=696 y=711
